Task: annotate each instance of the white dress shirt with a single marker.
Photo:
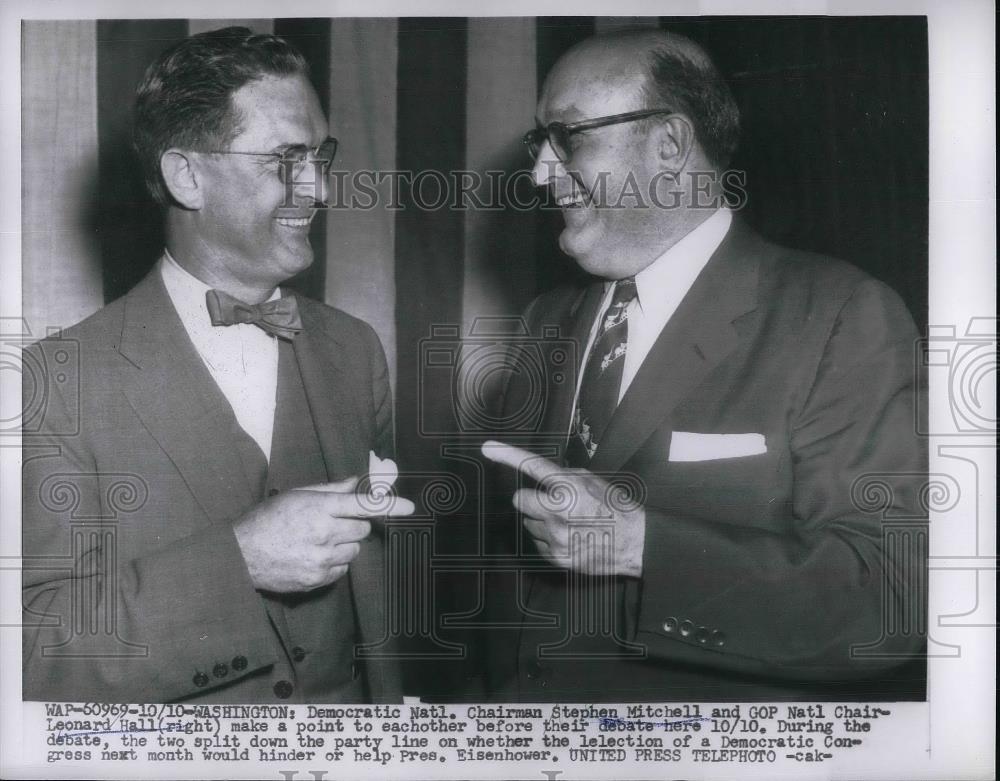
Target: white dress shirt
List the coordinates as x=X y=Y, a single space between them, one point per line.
x=242 y=358
x=660 y=288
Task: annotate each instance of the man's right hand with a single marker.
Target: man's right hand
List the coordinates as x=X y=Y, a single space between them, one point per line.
x=306 y=538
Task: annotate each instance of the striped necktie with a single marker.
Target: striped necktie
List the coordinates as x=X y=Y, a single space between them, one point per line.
x=602 y=378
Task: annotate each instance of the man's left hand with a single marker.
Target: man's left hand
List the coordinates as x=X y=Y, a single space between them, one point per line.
x=578 y=520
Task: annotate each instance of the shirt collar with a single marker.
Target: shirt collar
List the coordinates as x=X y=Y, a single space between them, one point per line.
x=681 y=264
x=186 y=290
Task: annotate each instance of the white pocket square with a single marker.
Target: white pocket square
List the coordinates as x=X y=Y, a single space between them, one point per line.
x=689 y=446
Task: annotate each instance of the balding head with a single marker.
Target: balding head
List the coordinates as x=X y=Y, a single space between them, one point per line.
x=658 y=69
x=627 y=185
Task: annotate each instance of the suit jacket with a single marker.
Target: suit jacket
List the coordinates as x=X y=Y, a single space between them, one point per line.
x=133 y=579
x=766 y=575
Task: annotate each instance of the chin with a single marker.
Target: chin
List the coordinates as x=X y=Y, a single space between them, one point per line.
x=584 y=256
x=583 y=242
x=298 y=263
x=570 y=243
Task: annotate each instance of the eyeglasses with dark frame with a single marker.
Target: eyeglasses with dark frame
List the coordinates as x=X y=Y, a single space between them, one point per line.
x=559 y=133
x=293 y=156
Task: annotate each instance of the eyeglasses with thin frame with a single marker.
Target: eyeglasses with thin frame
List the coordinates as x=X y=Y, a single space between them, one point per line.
x=558 y=133
x=292 y=156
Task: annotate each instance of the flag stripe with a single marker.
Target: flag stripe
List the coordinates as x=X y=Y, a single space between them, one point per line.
x=361 y=264
x=61 y=274
x=499 y=257
x=430 y=137
x=130 y=225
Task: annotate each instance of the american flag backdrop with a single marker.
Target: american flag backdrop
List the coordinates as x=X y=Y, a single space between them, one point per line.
x=834 y=148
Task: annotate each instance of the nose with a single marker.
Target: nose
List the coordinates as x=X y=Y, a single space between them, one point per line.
x=544 y=171
x=310 y=184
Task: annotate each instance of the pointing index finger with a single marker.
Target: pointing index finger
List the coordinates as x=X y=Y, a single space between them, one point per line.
x=369 y=508
x=362 y=505
x=534 y=466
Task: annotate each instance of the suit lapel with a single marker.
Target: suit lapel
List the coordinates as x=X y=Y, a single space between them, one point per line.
x=697 y=337
x=575 y=326
x=338 y=413
x=336 y=410
x=174 y=395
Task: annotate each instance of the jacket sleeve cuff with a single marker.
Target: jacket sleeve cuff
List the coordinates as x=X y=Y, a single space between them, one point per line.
x=200 y=614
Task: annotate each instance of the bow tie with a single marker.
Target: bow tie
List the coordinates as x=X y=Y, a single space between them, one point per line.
x=278 y=318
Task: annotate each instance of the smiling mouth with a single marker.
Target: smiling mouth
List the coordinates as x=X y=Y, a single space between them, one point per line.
x=294 y=222
x=573 y=200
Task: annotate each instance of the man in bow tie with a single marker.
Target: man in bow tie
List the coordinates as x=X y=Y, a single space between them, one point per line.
x=694 y=522
x=193 y=525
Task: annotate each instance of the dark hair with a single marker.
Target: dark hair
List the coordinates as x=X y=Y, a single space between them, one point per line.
x=682 y=77
x=185 y=98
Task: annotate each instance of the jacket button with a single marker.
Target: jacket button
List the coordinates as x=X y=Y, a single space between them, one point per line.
x=670 y=625
x=701 y=635
x=273 y=492
x=686 y=628
x=239 y=663
x=718 y=639
x=298 y=653
x=200 y=680
x=283 y=690
x=220 y=670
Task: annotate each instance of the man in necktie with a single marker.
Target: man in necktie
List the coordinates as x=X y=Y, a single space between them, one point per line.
x=602 y=378
x=690 y=525
x=194 y=528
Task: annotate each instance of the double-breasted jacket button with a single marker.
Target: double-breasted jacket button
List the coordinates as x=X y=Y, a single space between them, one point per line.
x=686 y=628
x=670 y=625
x=239 y=663
x=298 y=653
x=220 y=670
x=717 y=639
x=200 y=680
x=701 y=635
x=283 y=690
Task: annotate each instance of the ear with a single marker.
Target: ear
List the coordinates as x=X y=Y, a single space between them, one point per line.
x=182 y=179
x=675 y=140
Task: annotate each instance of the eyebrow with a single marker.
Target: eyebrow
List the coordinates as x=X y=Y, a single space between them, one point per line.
x=574 y=117
x=285 y=147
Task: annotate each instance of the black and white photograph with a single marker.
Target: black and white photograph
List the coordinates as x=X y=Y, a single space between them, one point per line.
x=407 y=393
